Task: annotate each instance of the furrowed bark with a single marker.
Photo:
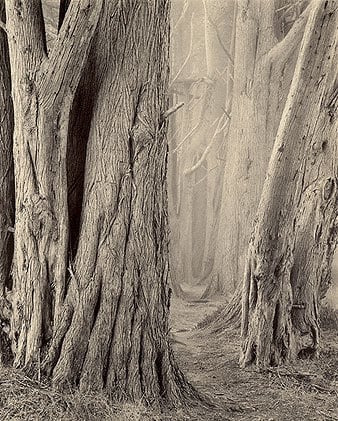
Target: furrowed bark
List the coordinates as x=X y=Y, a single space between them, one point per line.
x=43 y=88
x=316 y=225
x=6 y=191
x=298 y=206
x=114 y=330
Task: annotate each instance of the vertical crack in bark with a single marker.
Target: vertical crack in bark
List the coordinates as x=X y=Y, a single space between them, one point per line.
x=294 y=222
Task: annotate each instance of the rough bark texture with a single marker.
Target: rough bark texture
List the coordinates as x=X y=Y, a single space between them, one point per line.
x=114 y=331
x=225 y=318
x=293 y=241
x=6 y=191
x=43 y=87
x=262 y=77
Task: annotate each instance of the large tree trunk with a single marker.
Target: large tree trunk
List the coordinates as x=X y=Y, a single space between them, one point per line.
x=6 y=190
x=262 y=77
x=293 y=241
x=114 y=331
x=43 y=88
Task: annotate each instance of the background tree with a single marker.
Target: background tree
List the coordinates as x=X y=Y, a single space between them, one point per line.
x=202 y=79
x=264 y=63
x=291 y=250
x=265 y=57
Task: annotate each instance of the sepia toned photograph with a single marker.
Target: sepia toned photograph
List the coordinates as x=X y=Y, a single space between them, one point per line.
x=168 y=210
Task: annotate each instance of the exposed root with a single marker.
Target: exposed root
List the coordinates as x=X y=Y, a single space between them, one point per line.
x=214 y=289
x=227 y=317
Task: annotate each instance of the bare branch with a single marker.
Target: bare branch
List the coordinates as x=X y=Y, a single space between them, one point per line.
x=203 y=98
x=282 y=50
x=219 y=129
x=192 y=131
x=206 y=175
x=172 y=110
x=3 y=26
x=226 y=113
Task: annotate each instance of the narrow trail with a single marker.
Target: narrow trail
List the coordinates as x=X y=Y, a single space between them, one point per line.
x=307 y=390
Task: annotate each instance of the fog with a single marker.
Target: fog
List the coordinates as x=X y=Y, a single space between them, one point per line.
x=202 y=76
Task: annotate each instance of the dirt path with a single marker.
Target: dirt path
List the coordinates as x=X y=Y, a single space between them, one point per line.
x=306 y=391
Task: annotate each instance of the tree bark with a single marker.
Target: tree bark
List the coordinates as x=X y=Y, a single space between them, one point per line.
x=262 y=77
x=293 y=243
x=43 y=87
x=113 y=334
x=6 y=191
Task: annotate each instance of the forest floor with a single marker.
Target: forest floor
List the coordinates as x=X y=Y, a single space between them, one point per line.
x=306 y=391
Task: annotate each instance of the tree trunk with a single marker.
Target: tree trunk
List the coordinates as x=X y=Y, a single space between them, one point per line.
x=293 y=243
x=262 y=76
x=220 y=48
x=200 y=68
x=114 y=331
x=6 y=191
x=43 y=87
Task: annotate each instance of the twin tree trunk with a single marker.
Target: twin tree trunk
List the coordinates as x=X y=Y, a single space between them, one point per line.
x=290 y=254
x=42 y=91
x=104 y=324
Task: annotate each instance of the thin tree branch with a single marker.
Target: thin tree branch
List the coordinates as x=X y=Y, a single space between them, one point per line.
x=206 y=175
x=208 y=148
x=227 y=113
x=201 y=117
x=282 y=50
x=3 y=26
x=172 y=110
x=192 y=131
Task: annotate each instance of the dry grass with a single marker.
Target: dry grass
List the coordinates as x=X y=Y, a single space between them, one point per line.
x=328 y=318
x=307 y=390
x=25 y=400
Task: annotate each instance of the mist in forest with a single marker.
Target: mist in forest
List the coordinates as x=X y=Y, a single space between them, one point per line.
x=202 y=61
x=168 y=209
x=200 y=198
